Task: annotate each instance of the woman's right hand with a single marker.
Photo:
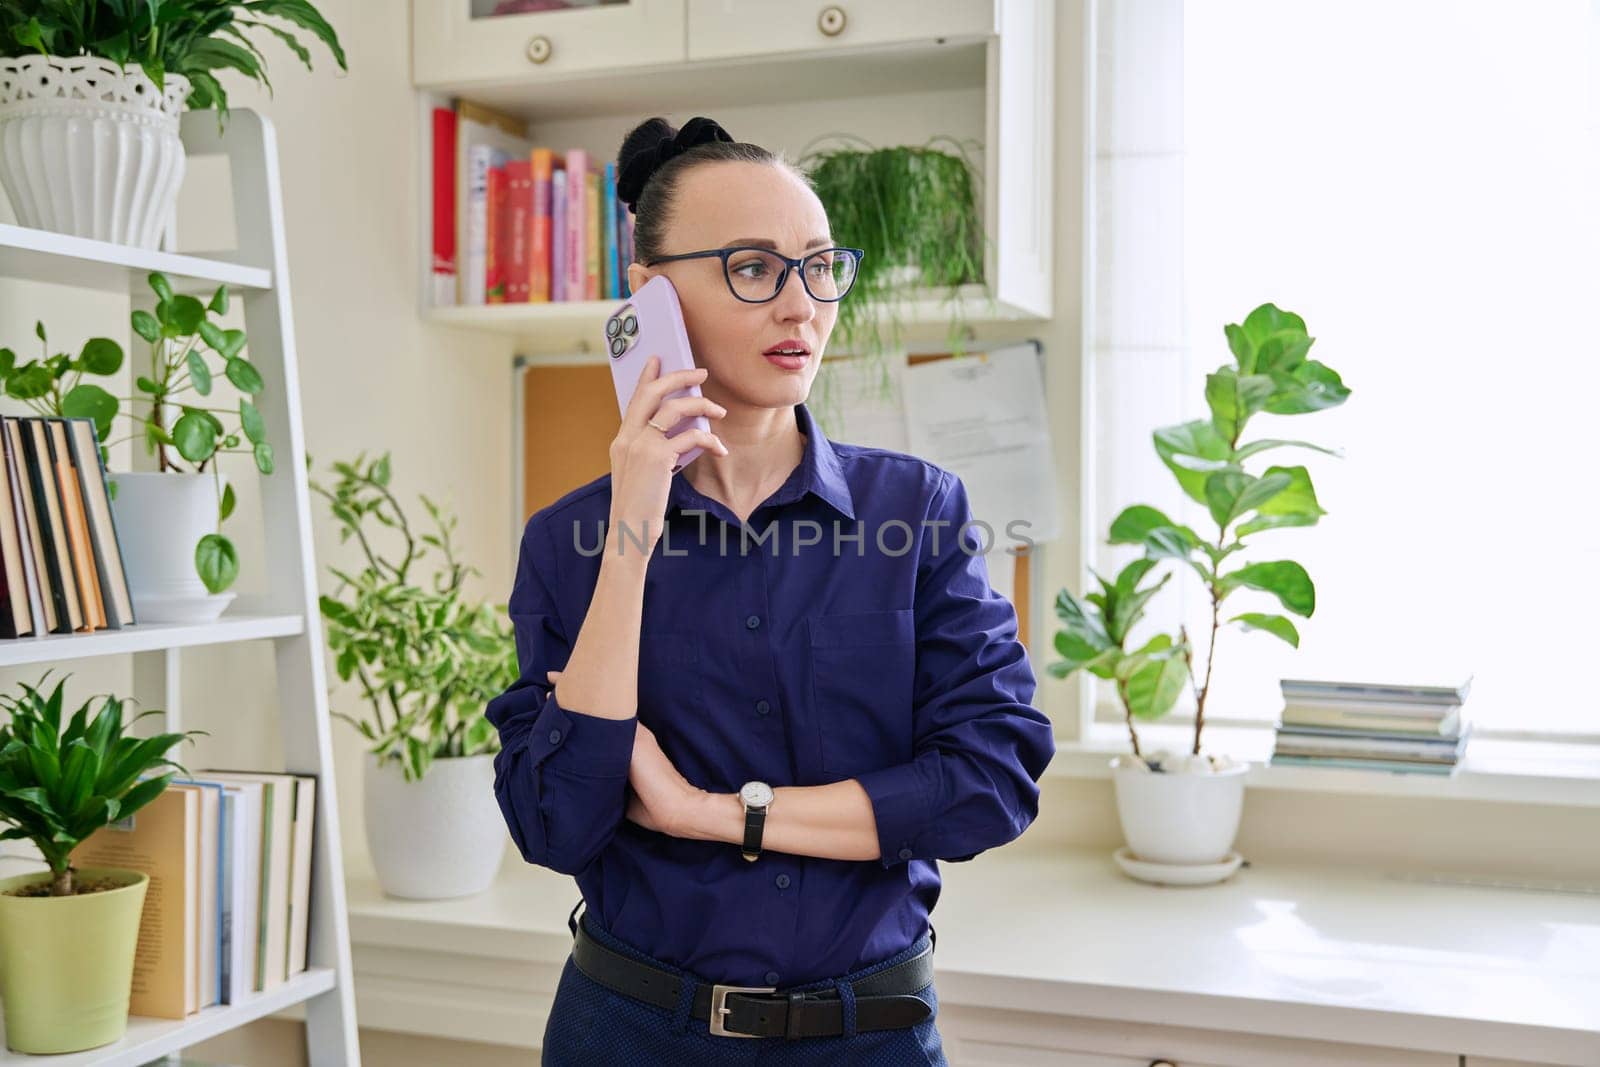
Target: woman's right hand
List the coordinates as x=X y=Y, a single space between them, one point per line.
x=643 y=457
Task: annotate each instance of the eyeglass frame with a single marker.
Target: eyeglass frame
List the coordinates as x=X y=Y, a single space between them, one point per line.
x=790 y=266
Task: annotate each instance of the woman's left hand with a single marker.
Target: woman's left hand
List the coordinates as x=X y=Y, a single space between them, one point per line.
x=661 y=798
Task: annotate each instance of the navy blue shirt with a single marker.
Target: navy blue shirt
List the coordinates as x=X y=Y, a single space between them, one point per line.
x=890 y=660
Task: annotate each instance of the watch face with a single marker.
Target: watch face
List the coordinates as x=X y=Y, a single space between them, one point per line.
x=756 y=794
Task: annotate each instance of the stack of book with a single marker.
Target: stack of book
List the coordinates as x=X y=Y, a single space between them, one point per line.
x=60 y=561
x=1416 y=729
x=517 y=223
x=227 y=910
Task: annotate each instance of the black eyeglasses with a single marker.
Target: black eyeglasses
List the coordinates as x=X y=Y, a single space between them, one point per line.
x=756 y=275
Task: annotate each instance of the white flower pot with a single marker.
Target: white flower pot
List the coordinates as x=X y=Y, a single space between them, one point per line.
x=90 y=148
x=442 y=836
x=160 y=518
x=1184 y=815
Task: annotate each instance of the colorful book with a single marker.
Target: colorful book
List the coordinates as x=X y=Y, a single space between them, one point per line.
x=576 y=227
x=518 y=229
x=444 y=206
x=162 y=839
x=558 y=231
x=543 y=165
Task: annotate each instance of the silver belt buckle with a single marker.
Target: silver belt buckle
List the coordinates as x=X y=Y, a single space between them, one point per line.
x=719 y=1006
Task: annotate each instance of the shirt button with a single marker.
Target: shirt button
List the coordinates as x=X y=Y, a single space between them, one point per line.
x=772 y=977
x=752 y=622
x=783 y=881
x=905 y=853
x=762 y=707
x=555 y=736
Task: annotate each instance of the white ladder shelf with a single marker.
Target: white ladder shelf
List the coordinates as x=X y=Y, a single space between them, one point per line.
x=288 y=615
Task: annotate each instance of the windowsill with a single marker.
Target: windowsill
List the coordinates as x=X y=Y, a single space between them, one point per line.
x=1519 y=772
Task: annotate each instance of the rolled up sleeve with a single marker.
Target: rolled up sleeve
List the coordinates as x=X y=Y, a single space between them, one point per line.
x=980 y=747
x=561 y=776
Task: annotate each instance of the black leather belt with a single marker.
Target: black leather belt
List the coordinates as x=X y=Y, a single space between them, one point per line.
x=884 y=1000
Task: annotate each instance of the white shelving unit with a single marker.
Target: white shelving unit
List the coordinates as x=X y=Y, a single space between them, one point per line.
x=287 y=615
x=569 y=73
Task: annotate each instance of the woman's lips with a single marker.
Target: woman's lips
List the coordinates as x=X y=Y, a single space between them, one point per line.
x=787 y=362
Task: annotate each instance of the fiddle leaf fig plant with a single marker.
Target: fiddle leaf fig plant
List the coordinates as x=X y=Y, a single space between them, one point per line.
x=58 y=785
x=426 y=657
x=1270 y=373
x=184 y=343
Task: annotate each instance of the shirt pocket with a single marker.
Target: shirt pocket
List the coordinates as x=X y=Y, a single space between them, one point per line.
x=863 y=666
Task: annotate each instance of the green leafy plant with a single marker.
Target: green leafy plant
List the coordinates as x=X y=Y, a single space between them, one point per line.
x=1270 y=374
x=426 y=658
x=194 y=38
x=916 y=212
x=59 y=785
x=184 y=341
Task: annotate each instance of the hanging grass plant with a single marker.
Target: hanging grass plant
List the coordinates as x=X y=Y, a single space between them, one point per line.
x=917 y=213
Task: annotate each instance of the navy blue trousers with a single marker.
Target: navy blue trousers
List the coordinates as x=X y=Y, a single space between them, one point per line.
x=593 y=1024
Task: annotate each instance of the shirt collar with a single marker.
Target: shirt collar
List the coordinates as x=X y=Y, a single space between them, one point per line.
x=820 y=473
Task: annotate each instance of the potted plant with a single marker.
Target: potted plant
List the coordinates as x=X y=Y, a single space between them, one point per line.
x=916 y=213
x=91 y=92
x=428 y=661
x=1183 y=809
x=67 y=935
x=169 y=521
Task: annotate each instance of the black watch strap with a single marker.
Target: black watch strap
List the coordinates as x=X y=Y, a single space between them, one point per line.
x=755 y=820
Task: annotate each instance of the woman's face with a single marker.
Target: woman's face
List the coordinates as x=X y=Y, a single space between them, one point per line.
x=738 y=203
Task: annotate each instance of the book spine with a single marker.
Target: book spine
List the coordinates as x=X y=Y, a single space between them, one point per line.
x=591 y=240
x=68 y=618
x=577 y=194
x=478 y=163
x=495 y=226
x=558 y=234
x=16 y=618
x=519 y=228
x=86 y=453
x=44 y=609
x=444 y=206
x=539 y=244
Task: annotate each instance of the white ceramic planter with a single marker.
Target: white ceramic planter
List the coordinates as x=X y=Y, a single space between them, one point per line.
x=90 y=148
x=160 y=519
x=1185 y=815
x=440 y=837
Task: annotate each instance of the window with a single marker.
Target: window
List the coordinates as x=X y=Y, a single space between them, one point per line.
x=1420 y=181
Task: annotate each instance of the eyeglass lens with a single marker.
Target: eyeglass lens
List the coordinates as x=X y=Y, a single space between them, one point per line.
x=756 y=275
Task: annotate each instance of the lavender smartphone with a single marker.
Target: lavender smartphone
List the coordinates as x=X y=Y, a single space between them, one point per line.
x=651 y=323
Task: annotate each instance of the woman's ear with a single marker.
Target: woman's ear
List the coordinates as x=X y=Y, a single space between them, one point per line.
x=637 y=276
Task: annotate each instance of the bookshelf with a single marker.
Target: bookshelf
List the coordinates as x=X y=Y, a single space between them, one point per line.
x=287 y=615
x=979 y=69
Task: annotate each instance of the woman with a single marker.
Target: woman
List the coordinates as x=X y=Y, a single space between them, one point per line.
x=760 y=697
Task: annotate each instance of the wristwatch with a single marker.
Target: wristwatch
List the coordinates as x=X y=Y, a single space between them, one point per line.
x=757 y=797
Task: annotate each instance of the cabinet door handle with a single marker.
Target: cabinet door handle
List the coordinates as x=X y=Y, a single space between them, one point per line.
x=539 y=49
x=831 y=20
x=1162 y=1063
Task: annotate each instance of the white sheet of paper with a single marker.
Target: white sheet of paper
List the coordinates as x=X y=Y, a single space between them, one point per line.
x=866 y=416
x=982 y=416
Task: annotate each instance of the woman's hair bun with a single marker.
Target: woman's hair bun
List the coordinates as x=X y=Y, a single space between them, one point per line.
x=654 y=142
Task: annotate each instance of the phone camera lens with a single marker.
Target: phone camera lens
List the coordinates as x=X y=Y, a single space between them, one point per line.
x=612 y=327
x=618 y=346
x=630 y=325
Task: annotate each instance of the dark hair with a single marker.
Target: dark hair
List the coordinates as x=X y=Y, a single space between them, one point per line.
x=651 y=195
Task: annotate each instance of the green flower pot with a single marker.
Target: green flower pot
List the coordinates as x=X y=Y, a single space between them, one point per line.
x=66 y=963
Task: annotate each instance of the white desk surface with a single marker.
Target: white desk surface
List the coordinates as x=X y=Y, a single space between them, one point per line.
x=1287 y=949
